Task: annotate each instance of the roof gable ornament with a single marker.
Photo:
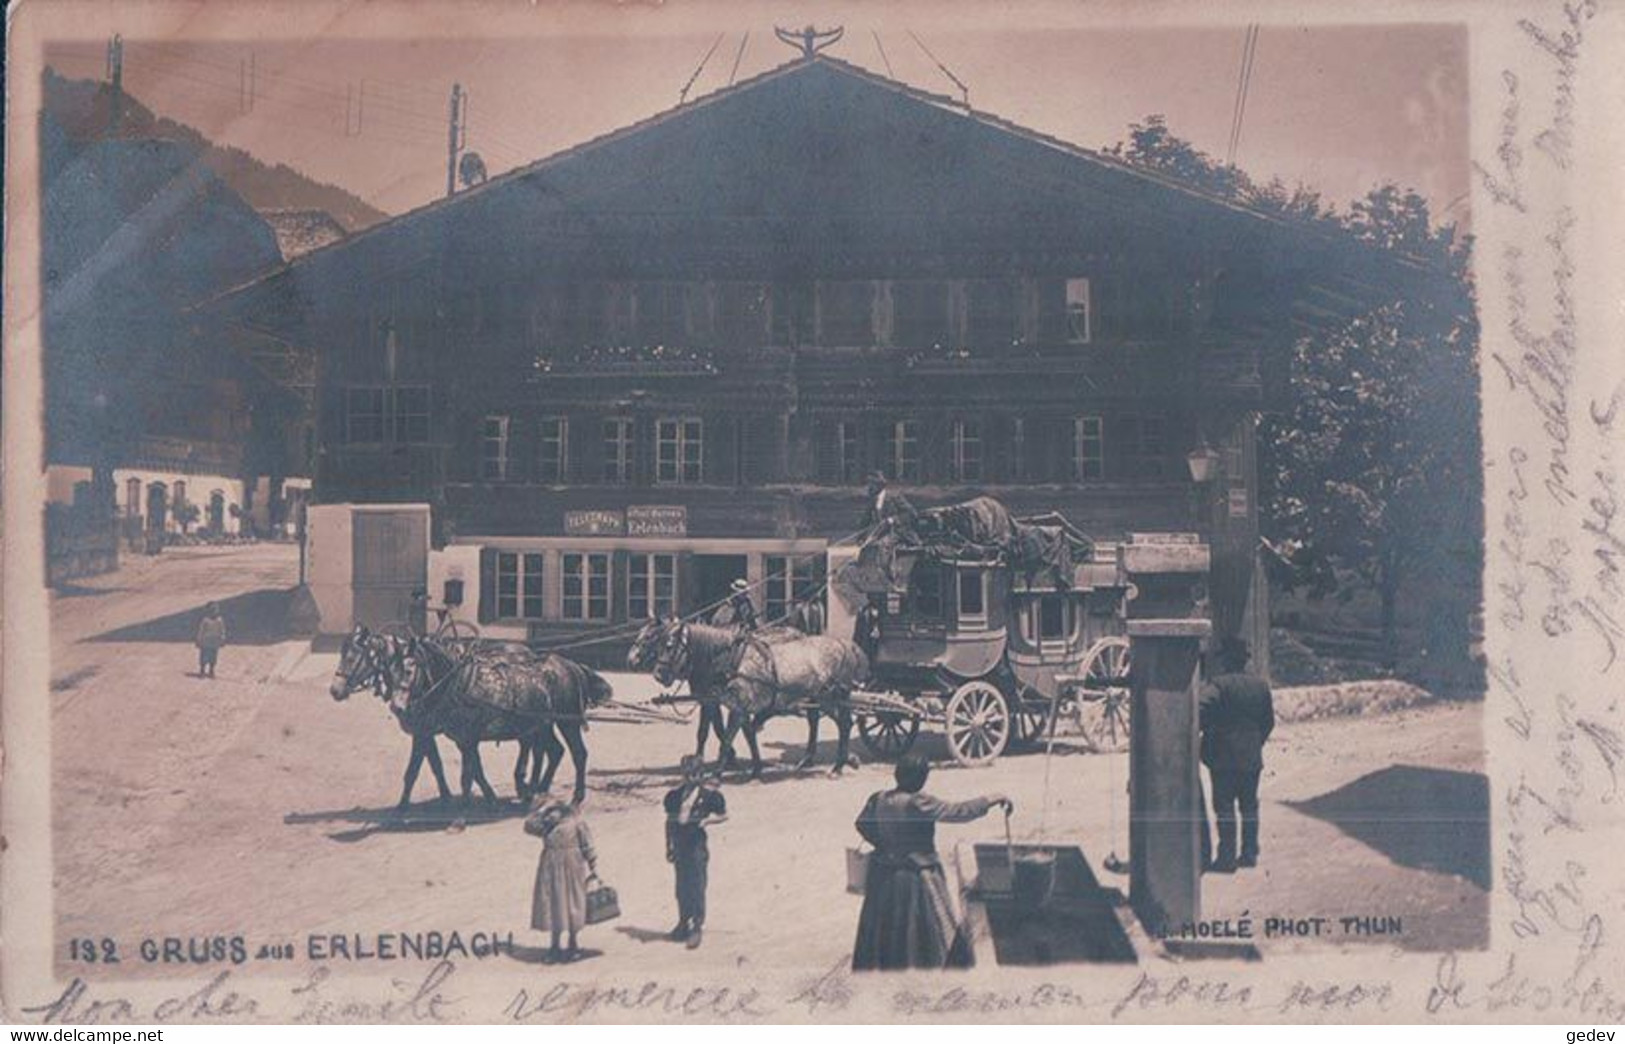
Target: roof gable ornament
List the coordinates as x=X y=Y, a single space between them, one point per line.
x=810 y=40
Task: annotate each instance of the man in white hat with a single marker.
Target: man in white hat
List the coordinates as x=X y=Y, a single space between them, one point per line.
x=738 y=611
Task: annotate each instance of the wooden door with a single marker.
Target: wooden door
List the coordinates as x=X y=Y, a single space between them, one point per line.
x=391 y=561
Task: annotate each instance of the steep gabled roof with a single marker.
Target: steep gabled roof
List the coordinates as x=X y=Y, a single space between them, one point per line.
x=786 y=143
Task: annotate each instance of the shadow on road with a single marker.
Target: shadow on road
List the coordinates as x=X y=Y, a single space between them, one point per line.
x=544 y=955
x=1424 y=818
x=432 y=817
x=644 y=935
x=252 y=618
x=68 y=589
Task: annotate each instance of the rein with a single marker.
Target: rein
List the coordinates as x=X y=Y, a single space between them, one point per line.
x=456 y=667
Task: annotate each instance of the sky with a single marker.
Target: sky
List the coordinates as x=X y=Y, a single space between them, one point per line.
x=1340 y=109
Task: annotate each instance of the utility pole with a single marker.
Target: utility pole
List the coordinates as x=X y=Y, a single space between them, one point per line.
x=456 y=136
x=115 y=77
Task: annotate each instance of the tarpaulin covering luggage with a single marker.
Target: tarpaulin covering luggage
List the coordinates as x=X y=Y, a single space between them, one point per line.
x=981 y=529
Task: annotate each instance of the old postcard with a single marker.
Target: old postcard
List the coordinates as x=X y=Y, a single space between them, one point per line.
x=733 y=512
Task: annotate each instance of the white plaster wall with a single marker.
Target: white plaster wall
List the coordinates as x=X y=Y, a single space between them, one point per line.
x=458 y=562
x=328 y=553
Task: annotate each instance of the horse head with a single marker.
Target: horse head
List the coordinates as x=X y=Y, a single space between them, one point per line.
x=362 y=662
x=646 y=645
x=673 y=660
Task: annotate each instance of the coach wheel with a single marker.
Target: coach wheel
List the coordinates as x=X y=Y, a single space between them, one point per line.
x=1104 y=694
x=979 y=723
x=888 y=734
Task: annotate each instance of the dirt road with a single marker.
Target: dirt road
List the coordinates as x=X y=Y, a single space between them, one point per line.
x=256 y=804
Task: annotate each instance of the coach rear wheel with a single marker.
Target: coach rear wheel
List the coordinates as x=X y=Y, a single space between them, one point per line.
x=979 y=723
x=1104 y=694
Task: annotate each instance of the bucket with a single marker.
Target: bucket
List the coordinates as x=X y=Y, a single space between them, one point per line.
x=1033 y=879
x=857 y=869
x=994 y=876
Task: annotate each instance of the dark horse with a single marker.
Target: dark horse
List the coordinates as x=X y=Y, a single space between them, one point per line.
x=758 y=680
x=384 y=664
x=505 y=694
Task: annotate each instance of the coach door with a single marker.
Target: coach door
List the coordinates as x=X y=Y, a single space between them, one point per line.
x=391 y=562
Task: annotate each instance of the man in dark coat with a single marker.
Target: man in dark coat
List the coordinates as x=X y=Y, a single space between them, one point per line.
x=1237 y=718
x=866 y=630
x=808 y=617
x=690 y=808
x=886 y=505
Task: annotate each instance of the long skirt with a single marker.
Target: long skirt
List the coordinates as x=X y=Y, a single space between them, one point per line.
x=559 y=901
x=908 y=921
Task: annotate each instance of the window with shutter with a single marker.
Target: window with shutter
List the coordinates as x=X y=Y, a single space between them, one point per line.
x=1088 y=449
x=966 y=447
x=903 y=450
x=553 y=449
x=679 y=450
x=494 y=448
x=618 y=450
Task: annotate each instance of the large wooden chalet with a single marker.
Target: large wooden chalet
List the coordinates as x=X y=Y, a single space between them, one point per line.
x=632 y=371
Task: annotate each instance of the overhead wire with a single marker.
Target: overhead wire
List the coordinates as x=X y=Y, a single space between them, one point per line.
x=682 y=96
x=882 y=49
x=734 y=72
x=964 y=90
x=1238 y=110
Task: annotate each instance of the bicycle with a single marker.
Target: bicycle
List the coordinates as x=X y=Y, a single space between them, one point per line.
x=458 y=637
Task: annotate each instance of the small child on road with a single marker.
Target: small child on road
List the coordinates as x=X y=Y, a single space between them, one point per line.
x=211 y=635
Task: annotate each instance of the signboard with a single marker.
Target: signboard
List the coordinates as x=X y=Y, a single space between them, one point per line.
x=656 y=520
x=1238 y=503
x=594 y=523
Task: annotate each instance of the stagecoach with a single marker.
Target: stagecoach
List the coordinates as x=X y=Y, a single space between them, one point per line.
x=996 y=654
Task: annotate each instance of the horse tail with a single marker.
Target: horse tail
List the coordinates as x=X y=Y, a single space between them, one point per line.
x=596 y=690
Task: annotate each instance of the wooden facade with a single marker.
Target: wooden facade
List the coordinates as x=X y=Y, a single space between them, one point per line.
x=738 y=308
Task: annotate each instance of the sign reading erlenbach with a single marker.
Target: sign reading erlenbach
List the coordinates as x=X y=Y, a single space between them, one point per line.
x=939 y=518
x=656 y=520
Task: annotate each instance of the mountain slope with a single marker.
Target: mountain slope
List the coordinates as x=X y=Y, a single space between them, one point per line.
x=80 y=107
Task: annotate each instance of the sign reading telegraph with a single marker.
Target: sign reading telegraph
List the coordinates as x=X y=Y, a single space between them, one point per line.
x=594 y=523
x=638 y=520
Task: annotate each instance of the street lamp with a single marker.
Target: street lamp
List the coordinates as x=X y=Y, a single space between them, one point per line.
x=1203 y=462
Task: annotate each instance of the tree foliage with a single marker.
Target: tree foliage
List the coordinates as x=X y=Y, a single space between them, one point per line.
x=1371 y=473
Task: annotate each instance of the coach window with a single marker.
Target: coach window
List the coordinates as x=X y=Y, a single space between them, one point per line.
x=924 y=602
x=972 y=590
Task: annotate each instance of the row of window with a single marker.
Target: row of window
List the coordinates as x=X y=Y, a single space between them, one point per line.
x=650 y=583
x=1042 y=619
x=679 y=449
x=853 y=313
